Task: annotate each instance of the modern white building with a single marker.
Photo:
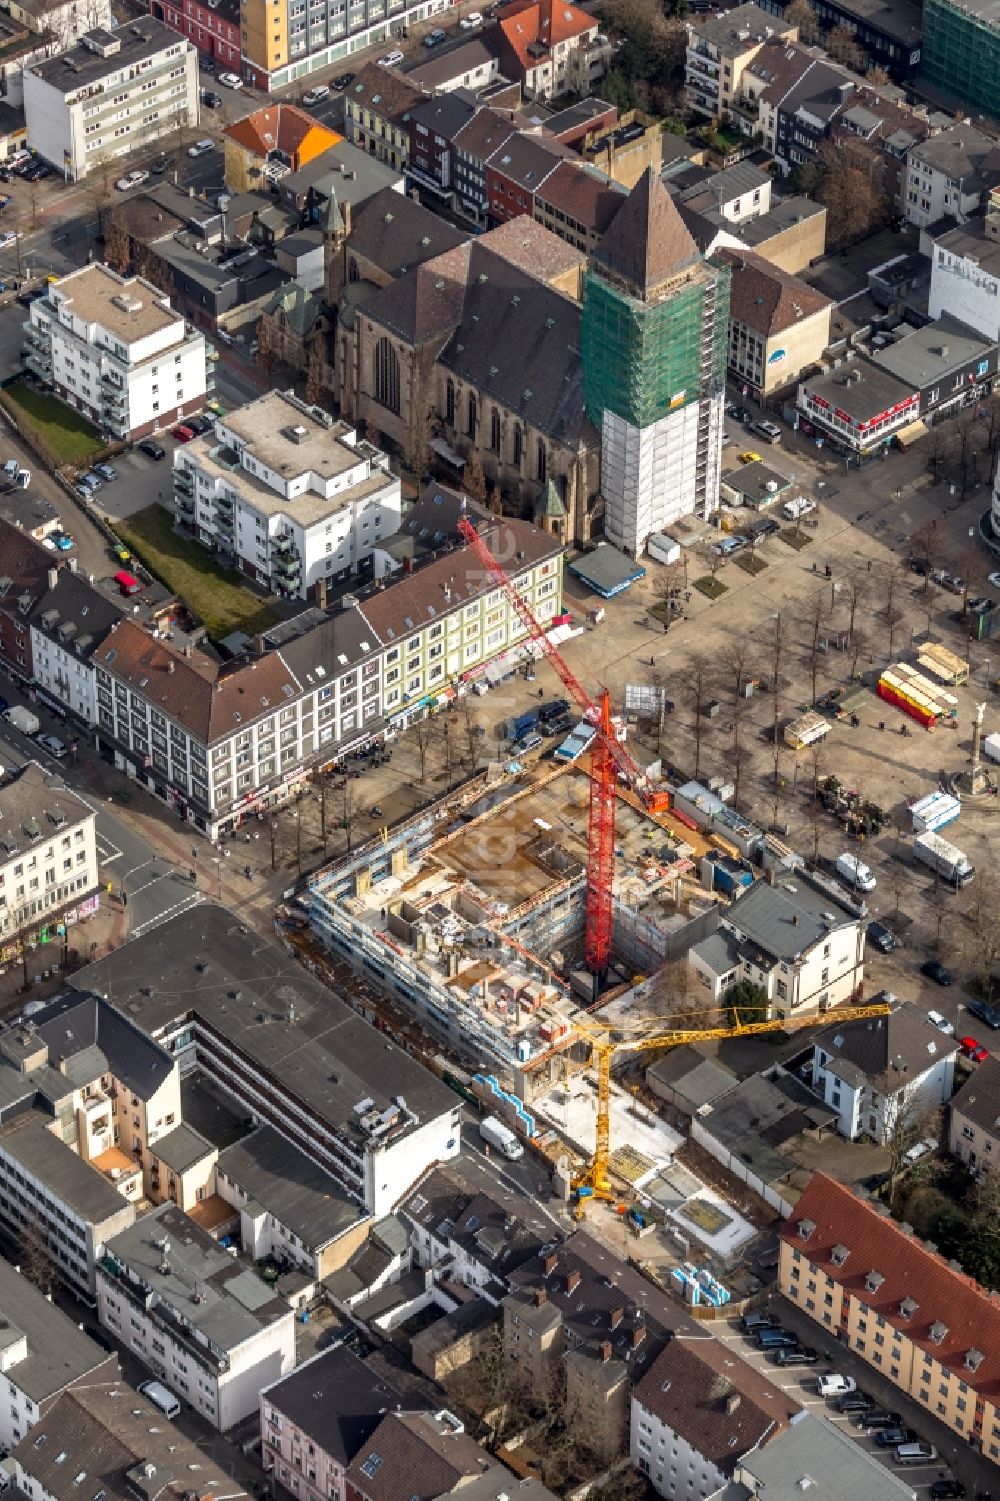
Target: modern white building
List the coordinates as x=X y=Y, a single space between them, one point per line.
x=943 y=174
x=48 y=855
x=881 y=1074
x=965 y=278
x=113 y=93
x=114 y=348
x=296 y=497
x=795 y=940
x=204 y=1321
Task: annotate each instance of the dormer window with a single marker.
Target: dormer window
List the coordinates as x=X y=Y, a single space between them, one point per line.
x=973 y=1359
x=938 y=1331
x=839 y=1254
x=806 y=1228
x=874 y=1281
x=908 y=1308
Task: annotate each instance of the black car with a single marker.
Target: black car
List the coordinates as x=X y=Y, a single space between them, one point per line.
x=198 y=425
x=206 y=65
x=741 y=414
x=344 y=80
x=158 y=168
x=752 y=1323
x=804 y=1355
x=890 y=1437
x=921 y=566
x=936 y=971
x=853 y=1402
x=988 y=1014
x=210 y=99
x=152 y=450
x=4 y=704
x=877 y=1417
x=553 y=710
x=947 y=1490
x=882 y=937
x=560 y=726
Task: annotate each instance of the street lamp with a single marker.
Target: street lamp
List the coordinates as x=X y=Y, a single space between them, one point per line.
x=217 y=862
x=298 y=841
x=272 y=829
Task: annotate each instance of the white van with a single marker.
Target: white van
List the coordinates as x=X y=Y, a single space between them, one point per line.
x=855 y=872
x=162 y=1397
x=201 y=148
x=317 y=94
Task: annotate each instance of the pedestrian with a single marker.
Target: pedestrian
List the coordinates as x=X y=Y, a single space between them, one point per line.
x=869 y=565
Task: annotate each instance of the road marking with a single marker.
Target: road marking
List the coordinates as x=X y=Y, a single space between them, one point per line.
x=194 y=900
x=106 y=851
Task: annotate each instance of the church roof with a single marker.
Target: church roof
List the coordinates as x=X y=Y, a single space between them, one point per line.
x=552 y=506
x=299 y=307
x=647 y=242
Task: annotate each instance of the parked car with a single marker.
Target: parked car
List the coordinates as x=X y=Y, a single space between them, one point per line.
x=106 y=471
x=92 y=479
x=890 y=1437
x=835 y=1385
x=52 y=744
x=727 y=546
x=750 y=1323
x=152 y=449
x=62 y=541
x=528 y=744
x=804 y=1355
x=182 y=433
x=22 y=479
x=391 y=59
x=201 y=148
x=230 y=80
x=158 y=168
x=316 y=94
x=852 y=1402
x=210 y=99
x=435 y=38
x=947 y=1490
x=561 y=726
x=769 y=430
x=882 y=937
x=920 y=566
x=915 y=1454
x=749 y=456
x=776 y=1339
x=198 y=425
x=133 y=179
x=343 y=81
x=941 y=1022
x=971 y=1048
x=472 y=20
x=554 y=709
x=936 y=971
x=7 y=238
x=985 y=1013
x=994 y=580
x=918 y=1150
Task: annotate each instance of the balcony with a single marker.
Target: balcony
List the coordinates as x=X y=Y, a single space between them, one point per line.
x=284 y=545
x=185 y=507
x=224 y=505
x=700 y=62
x=39 y=364
x=184 y=481
x=288 y=569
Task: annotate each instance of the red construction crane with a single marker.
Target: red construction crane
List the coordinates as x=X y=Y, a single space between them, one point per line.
x=608 y=759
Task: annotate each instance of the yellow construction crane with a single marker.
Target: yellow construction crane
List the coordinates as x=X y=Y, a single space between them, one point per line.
x=593 y=1182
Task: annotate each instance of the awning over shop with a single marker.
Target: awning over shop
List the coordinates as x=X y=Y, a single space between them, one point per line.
x=444 y=451
x=911 y=433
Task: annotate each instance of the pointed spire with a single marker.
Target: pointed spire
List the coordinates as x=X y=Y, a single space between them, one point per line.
x=647 y=242
x=552 y=507
x=333 y=219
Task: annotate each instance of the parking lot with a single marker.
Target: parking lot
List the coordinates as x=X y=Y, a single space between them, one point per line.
x=971 y=1469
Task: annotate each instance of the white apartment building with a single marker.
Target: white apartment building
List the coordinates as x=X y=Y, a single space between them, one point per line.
x=292 y=494
x=880 y=1072
x=943 y=175
x=112 y=93
x=965 y=278
x=113 y=348
x=48 y=856
x=203 y=1320
x=796 y=941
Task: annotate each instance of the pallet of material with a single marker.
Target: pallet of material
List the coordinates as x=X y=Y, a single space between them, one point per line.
x=943 y=664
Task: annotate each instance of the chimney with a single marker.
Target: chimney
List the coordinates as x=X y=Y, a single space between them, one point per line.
x=187 y=649
x=732 y=1403
x=617 y=1314
x=541 y=1297
x=549 y=1264
x=572 y=1282
x=605 y=1351
x=638 y=1335
x=53 y=577
x=171 y=665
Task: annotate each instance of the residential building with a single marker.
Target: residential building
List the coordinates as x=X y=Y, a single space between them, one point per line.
x=285 y=49
x=57 y=620
x=961 y=52
x=949 y=365
x=778 y=324
x=472 y=66
x=944 y=175
x=719 y=50
x=377 y=114
x=695 y=1413
x=305 y=1073
x=965 y=278
x=288 y=492
x=48 y=859
x=654 y=338
x=549 y=47
x=434 y=123
x=828 y=1456
x=145 y=71
x=114 y=348
x=314 y=1422
x=472 y=146
x=212 y=1329
x=858 y=408
x=735 y=194
x=796 y=121
x=577 y=204
x=515 y=171
x=882 y=1076
x=320 y=191
x=974 y=1118
x=432 y=1454
x=181 y=1167
x=889 y=36
x=797 y=940
x=119 y=1442
x=45 y=1354
x=875 y=132
x=213 y=26
x=915 y=1318
x=270 y=143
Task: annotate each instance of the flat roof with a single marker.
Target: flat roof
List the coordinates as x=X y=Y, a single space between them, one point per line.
x=607 y=570
x=876 y=391
x=935 y=350
x=65 y=1174
x=290 y=1186
x=77 y=67
x=59 y=1353
x=754 y=480
x=127 y=306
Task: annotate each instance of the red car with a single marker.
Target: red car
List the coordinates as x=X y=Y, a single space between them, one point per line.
x=971 y=1048
x=181 y=433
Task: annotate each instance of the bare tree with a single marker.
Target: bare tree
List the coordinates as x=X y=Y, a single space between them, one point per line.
x=315 y=367
x=855 y=593
x=776 y=651
x=98 y=186
x=474 y=478
x=116 y=241
x=893 y=619
x=801 y=14
x=35 y=1258
x=859 y=645
x=981 y=947
x=446 y=727
x=923 y=546
x=348 y=811
x=990 y=416
x=902 y=1119
x=739 y=752
x=842 y=47
x=267 y=352
x=697 y=684
x=736 y=663
x=968 y=448
x=814 y=617
x=470 y=730
x=890 y=579
x=422 y=734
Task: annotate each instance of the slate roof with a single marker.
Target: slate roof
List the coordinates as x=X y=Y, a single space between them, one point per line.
x=960 y=153
x=946 y=1314
x=395 y=233
x=765 y=298
x=494 y=1226
x=77 y=615
x=484 y=133
x=59 y=1353
x=979 y=1098
x=36 y=799
x=335 y=1400
x=782 y=922
x=290 y=1186
x=384 y=92
x=414 y=1454
x=647 y=242
x=725 y=186
x=713 y=1400
x=583 y=196
x=819 y=90
x=526 y=160
x=779 y=64
x=181 y=1148
x=104 y=1432
x=73 y=1023
x=46 y=1157
x=426 y=303
x=895 y=1049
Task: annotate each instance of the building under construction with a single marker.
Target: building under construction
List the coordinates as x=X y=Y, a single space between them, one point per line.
x=476 y=927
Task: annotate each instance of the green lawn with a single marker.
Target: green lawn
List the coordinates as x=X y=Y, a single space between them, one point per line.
x=68 y=436
x=218 y=597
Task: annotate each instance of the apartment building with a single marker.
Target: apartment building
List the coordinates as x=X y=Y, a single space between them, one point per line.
x=112 y=93
x=719 y=50
x=696 y=1412
x=880 y=1073
x=285 y=47
x=48 y=861
x=376 y=114
x=803 y=946
x=430 y=1454
x=315 y=1421
x=549 y=47
x=308 y=1073
x=915 y=1318
x=944 y=175
x=113 y=348
x=213 y=26
x=45 y=1353
x=288 y=492
x=815 y=1455
x=965 y=277
x=974 y=1118
x=212 y=1329
x=778 y=324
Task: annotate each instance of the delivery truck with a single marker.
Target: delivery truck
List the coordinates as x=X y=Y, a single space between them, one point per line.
x=501 y=1137
x=22 y=719
x=949 y=863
